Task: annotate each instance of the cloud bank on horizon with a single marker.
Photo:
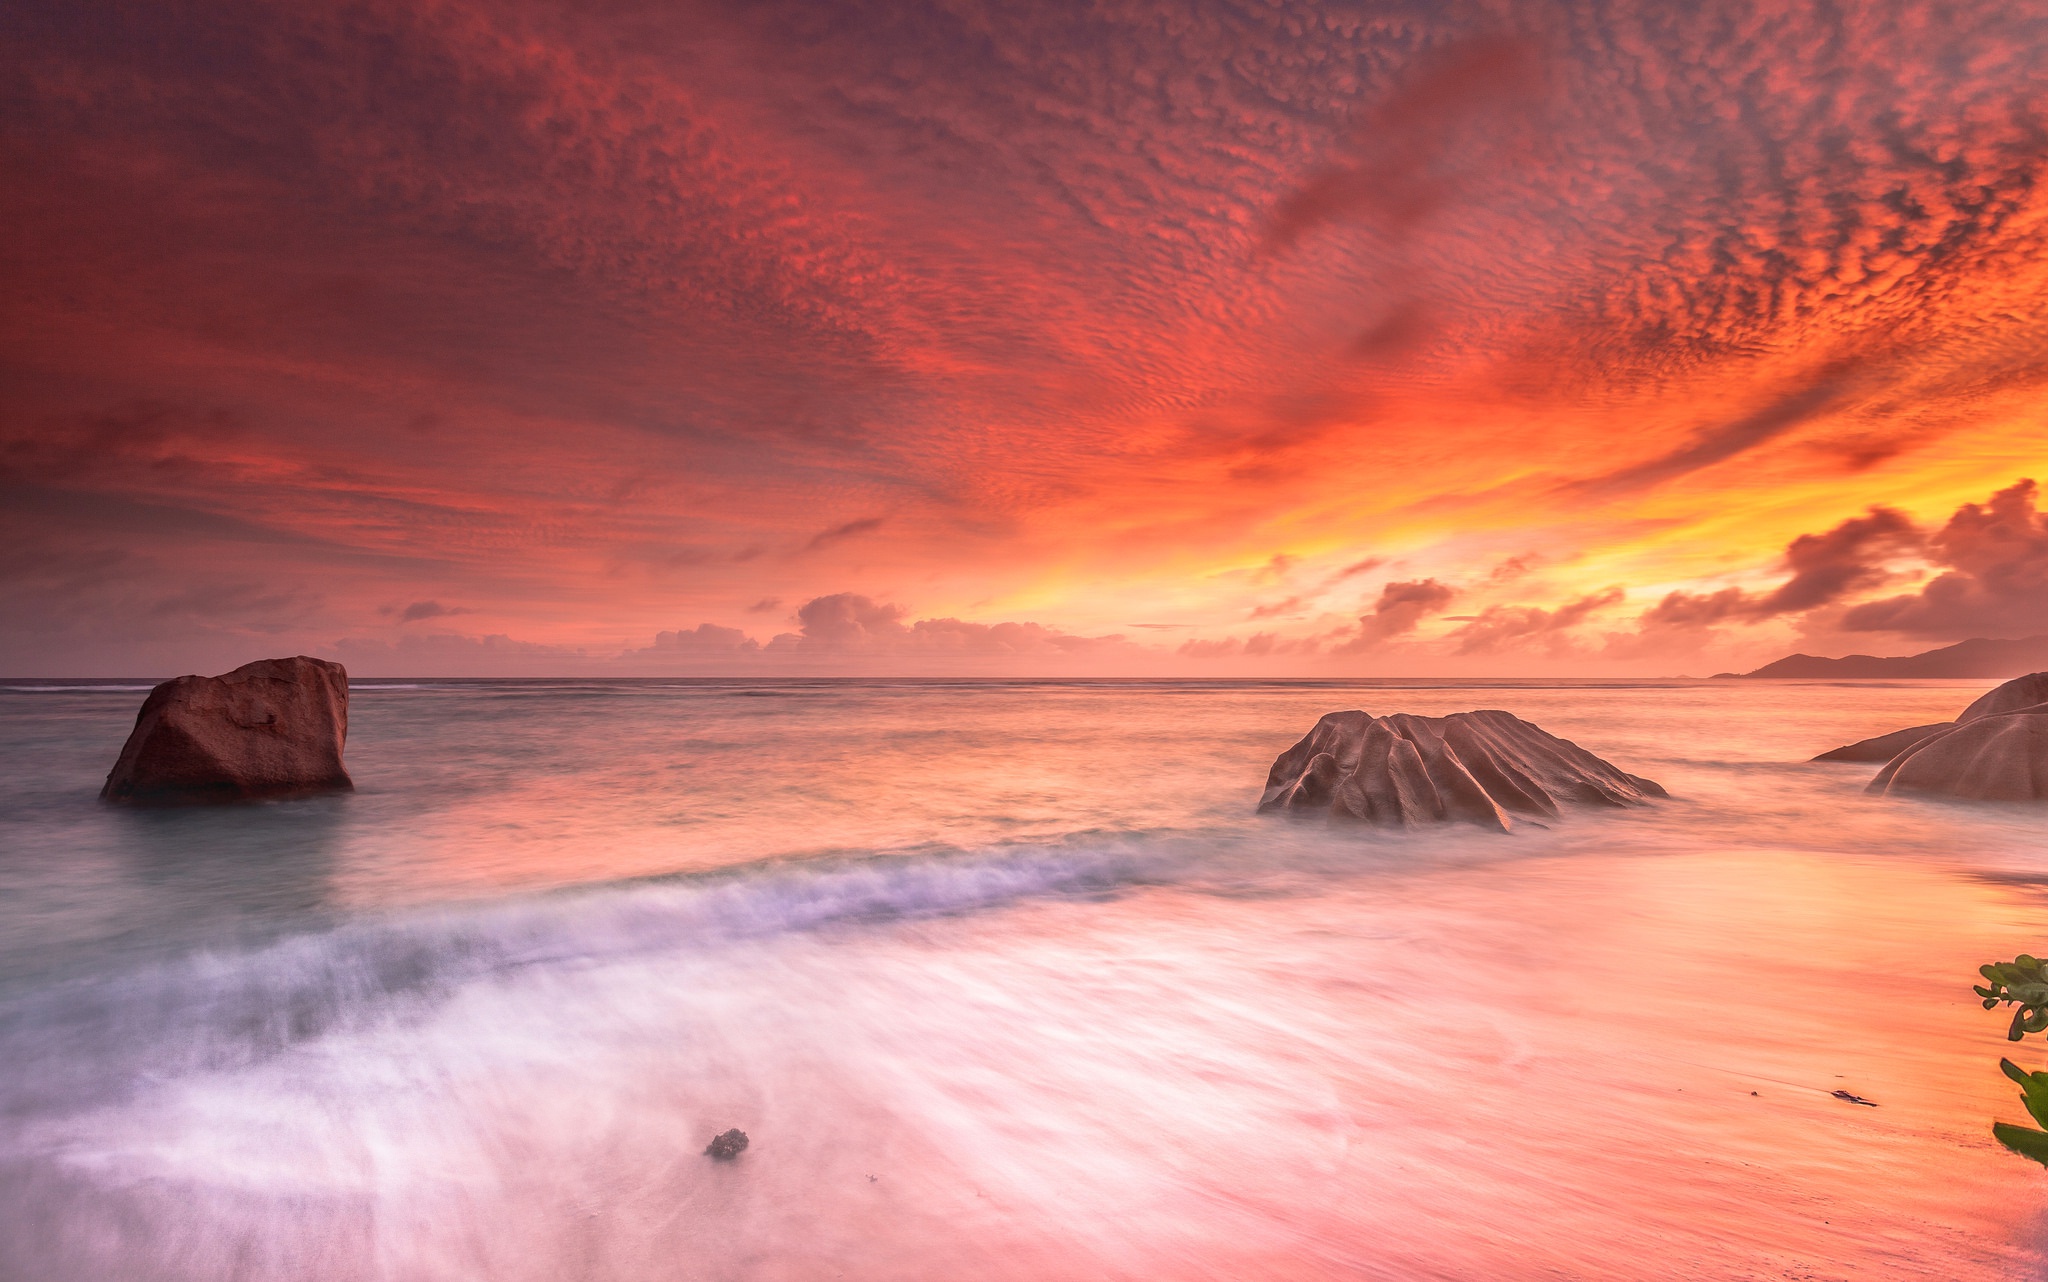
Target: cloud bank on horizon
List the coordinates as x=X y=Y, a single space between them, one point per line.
x=1151 y=336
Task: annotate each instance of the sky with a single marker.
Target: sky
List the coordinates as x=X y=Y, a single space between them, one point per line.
x=1142 y=337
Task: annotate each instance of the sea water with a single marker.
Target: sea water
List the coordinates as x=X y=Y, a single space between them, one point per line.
x=1004 y=980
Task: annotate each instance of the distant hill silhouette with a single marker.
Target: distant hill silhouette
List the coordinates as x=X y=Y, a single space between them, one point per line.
x=1974 y=659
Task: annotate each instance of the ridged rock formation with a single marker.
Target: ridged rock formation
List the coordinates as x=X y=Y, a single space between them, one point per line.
x=1472 y=767
x=2020 y=692
x=1885 y=746
x=2001 y=757
x=273 y=728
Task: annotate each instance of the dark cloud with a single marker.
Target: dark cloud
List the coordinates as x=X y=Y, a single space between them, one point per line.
x=1275 y=609
x=1689 y=610
x=139 y=442
x=843 y=621
x=847 y=625
x=441 y=654
x=840 y=533
x=1258 y=645
x=1499 y=625
x=419 y=610
x=1514 y=567
x=1995 y=583
x=706 y=648
x=1404 y=328
x=1276 y=568
x=502 y=292
x=1853 y=556
x=1846 y=559
x=766 y=605
x=1457 y=114
x=848 y=630
x=73 y=595
x=1399 y=610
x=1720 y=442
x=705 y=640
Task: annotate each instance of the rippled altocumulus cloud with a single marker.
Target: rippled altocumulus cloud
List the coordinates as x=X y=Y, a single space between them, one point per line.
x=613 y=319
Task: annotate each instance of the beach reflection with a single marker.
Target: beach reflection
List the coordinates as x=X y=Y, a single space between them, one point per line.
x=1115 y=1027
x=1602 y=1067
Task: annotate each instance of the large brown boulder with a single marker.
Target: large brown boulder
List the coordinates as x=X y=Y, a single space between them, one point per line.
x=1475 y=767
x=2020 y=692
x=273 y=728
x=2001 y=757
x=1885 y=746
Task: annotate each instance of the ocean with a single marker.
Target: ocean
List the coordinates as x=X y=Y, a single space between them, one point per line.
x=1004 y=980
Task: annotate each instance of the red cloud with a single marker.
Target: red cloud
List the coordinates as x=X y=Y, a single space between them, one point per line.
x=1500 y=626
x=1825 y=568
x=848 y=625
x=1996 y=583
x=1461 y=112
x=580 y=316
x=1400 y=608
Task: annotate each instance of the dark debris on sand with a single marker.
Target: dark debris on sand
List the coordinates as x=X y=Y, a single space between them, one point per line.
x=727 y=1146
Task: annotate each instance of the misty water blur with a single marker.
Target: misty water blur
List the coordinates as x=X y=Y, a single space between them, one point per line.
x=1004 y=979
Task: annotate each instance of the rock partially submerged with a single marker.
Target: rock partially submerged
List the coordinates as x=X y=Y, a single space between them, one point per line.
x=1885 y=746
x=2018 y=693
x=2000 y=757
x=728 y=1146
x=273 y=728
x=1473 y=767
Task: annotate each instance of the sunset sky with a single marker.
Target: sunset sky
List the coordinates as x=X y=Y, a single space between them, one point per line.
x=1157 y=336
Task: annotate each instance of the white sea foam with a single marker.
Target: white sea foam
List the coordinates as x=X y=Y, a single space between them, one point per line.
x=1121 y=1029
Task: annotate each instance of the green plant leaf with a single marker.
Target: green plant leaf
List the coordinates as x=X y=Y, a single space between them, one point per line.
x=2033 y=1089
x=2022 y=982
x=2022 y=1140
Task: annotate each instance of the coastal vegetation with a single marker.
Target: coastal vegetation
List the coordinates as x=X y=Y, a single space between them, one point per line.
x=2022 y=983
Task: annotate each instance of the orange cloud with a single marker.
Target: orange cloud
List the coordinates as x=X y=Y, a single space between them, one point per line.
x=1188 y=313
x=1994 y=579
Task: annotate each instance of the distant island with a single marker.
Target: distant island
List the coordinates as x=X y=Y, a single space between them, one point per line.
x=1978 y=658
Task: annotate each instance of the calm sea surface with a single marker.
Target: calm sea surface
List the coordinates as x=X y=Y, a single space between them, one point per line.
x=1004 y=980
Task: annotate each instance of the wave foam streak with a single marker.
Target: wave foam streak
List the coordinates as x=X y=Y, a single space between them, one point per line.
x=1444 y=1072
